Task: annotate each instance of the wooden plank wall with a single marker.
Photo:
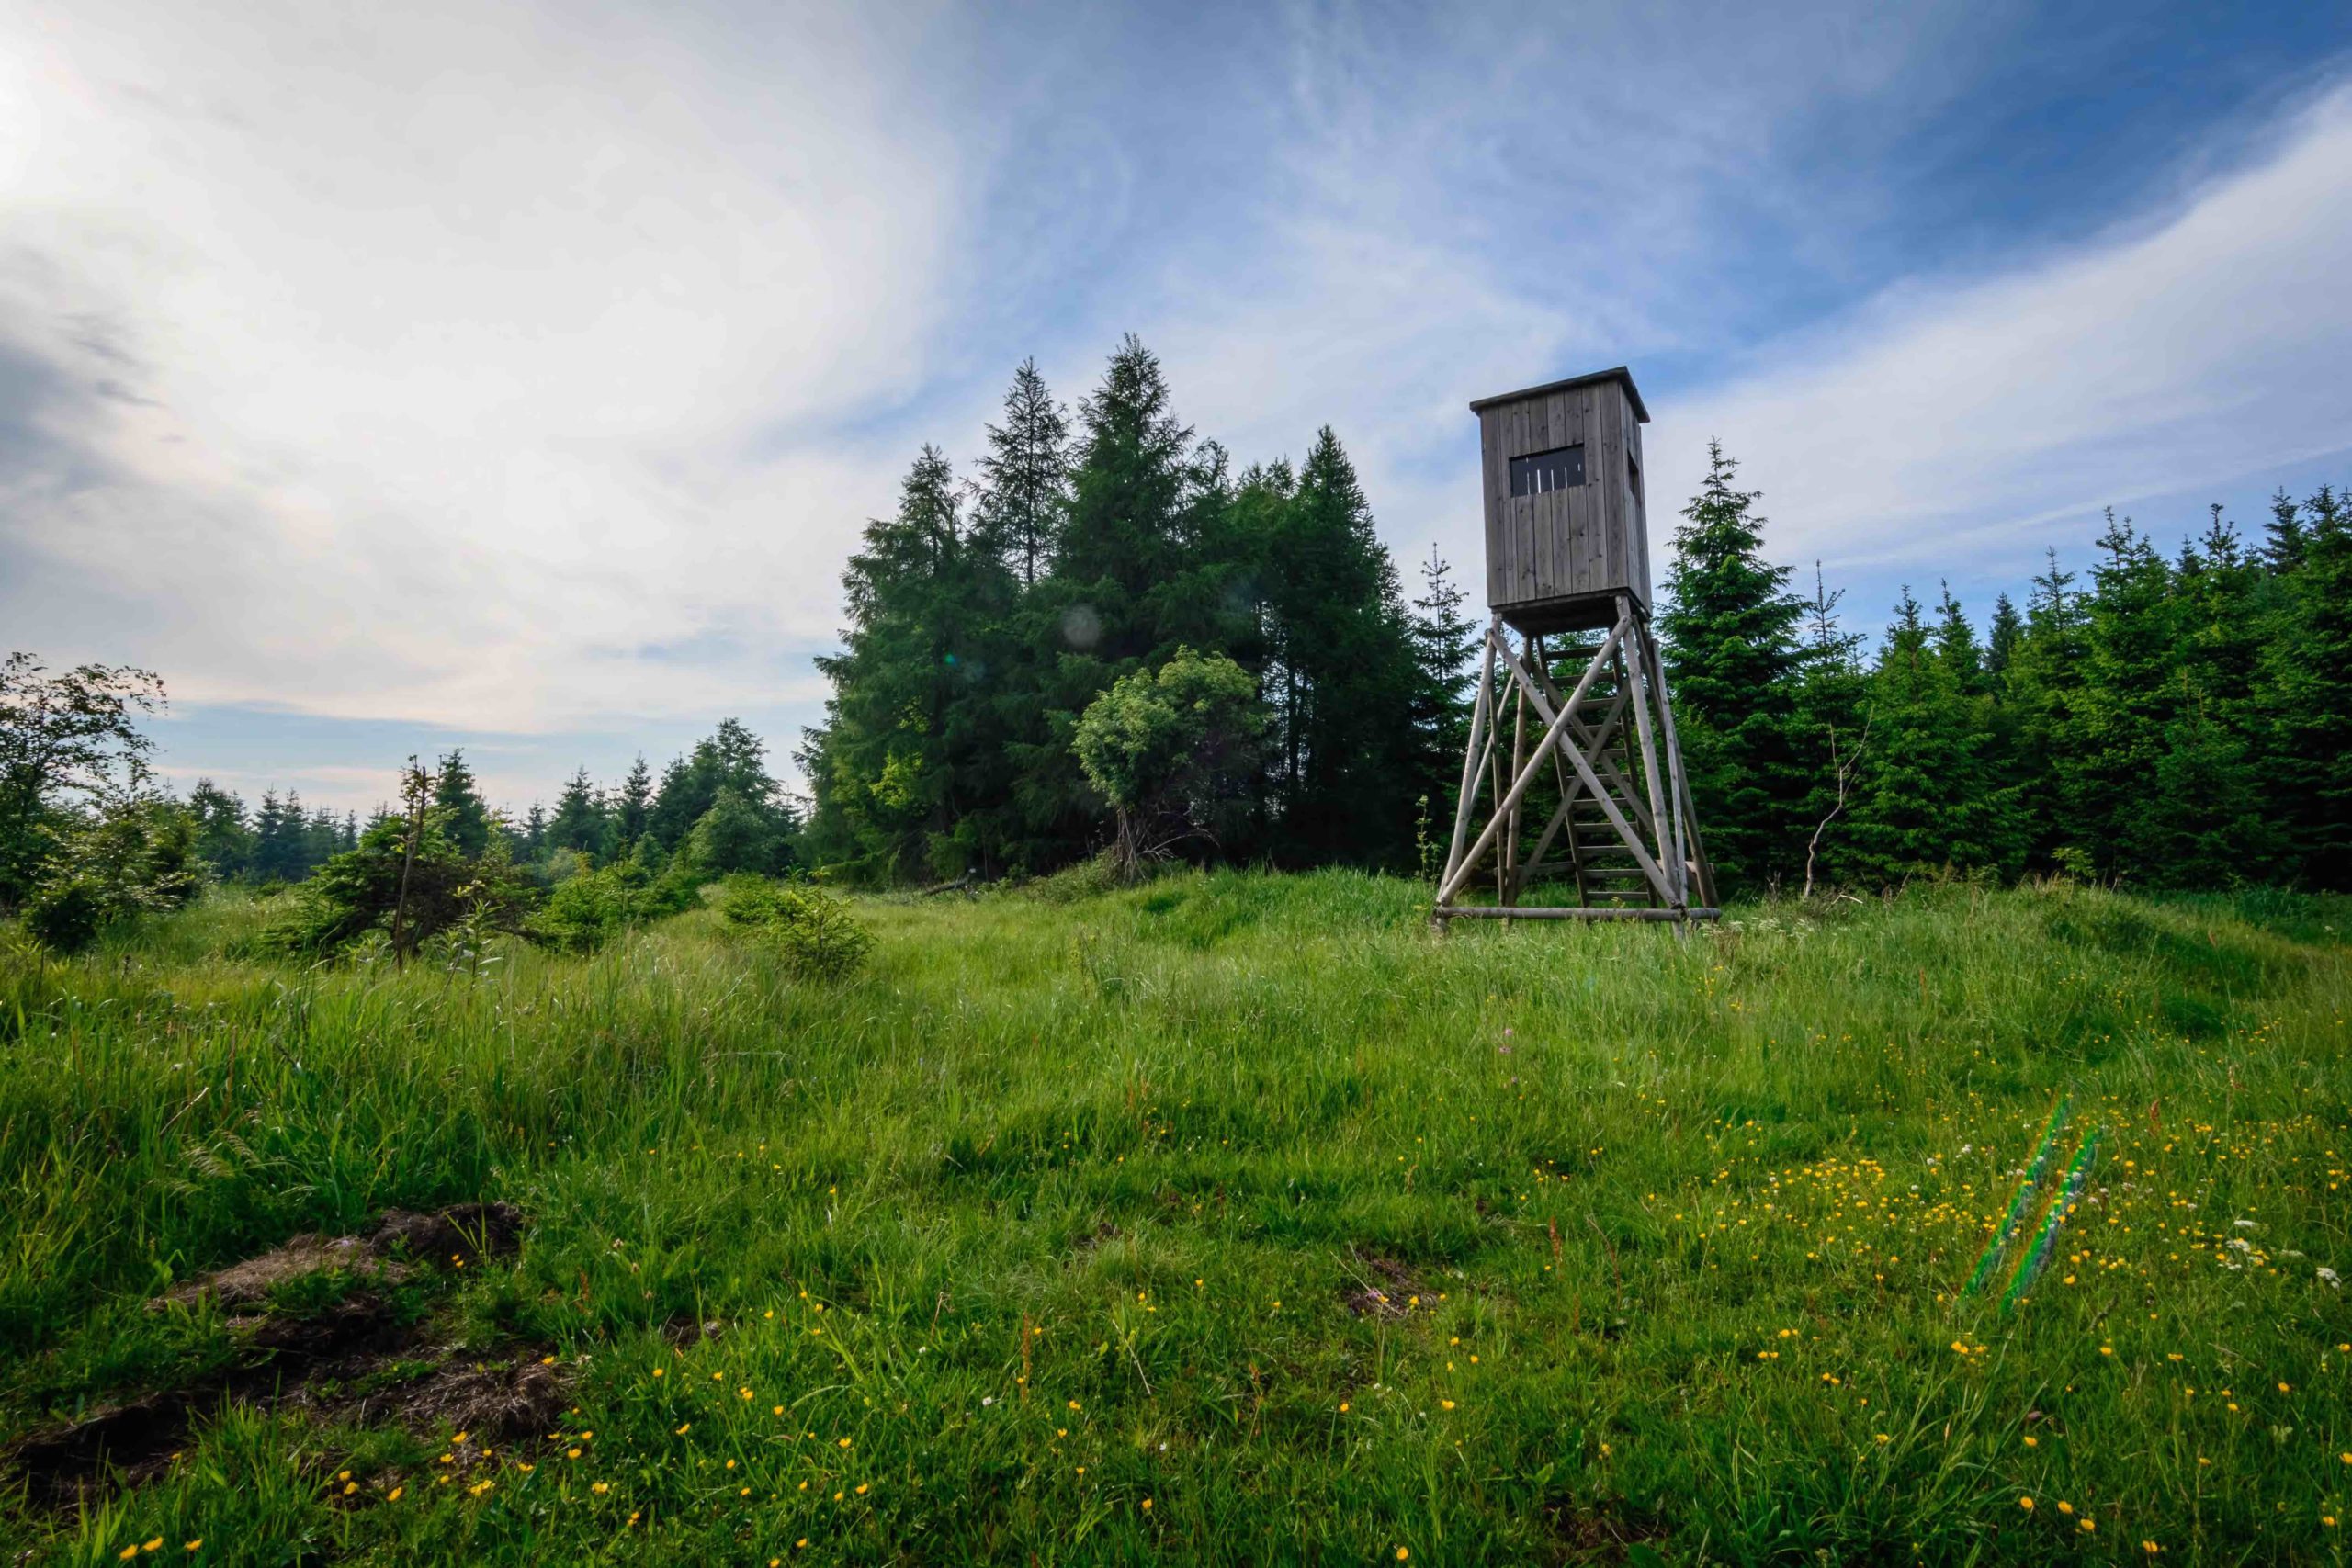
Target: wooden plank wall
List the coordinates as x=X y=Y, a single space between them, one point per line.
x=1563 y=544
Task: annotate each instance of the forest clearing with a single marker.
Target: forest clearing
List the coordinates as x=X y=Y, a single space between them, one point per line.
x=1231 y=1217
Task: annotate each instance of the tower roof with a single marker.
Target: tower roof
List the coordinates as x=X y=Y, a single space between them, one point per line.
x=1618 y=374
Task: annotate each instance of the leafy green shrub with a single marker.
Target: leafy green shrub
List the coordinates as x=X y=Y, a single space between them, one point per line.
x=1097 y=873
x=587 y=910
x=747 y=900
x=1172 y=750
x=134 y=856
x=64 y=916
x=815 y=932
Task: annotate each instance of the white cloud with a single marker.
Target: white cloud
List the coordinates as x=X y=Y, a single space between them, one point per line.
x=529 y=368
x=455 y=355
x=1952 y=426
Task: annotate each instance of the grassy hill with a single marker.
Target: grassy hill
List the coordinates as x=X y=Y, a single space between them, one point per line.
x=1234 y=1218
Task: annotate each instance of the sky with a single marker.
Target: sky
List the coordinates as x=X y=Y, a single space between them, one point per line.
x=518 y=377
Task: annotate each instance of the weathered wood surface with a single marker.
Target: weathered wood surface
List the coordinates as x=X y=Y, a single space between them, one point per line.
x=1627 y=778
x=1555 y=560
x=1565 y=913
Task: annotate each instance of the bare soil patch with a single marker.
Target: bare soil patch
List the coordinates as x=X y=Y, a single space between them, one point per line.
x=363 y=1356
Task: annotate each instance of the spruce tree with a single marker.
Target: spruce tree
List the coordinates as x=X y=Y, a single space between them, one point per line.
x=2002 y=640
x=1833 y=728
x=1025 y=494
x=1442 y=642
x=224 y=839
x=579 y=820
x=677 y=805
x=2129 y=699
x=1124 y=586
x=278 y=838
x=2306 y=699
x=633 y=806
x=1956 y=646
x=2284 y=548
x=1126 y=530
x=2044 y=680
x=465 y=820
x=1344 y=658
x=908 y=770
x=1734 y=665
x=1927 y=802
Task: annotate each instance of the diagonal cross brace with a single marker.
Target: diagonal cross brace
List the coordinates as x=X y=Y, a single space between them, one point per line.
x=1459 y=874
x=1607 y=804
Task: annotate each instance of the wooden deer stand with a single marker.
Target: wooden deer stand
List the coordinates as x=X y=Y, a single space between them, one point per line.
x=1597 y=764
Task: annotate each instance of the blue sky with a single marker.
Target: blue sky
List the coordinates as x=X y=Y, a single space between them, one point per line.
x=518 y=377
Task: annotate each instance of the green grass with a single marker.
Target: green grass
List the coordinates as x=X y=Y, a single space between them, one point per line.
x=1043 y=1233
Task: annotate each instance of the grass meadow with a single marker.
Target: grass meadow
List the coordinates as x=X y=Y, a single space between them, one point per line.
x=1233 y=1219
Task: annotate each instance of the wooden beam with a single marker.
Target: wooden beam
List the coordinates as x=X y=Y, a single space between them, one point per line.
x=1649 y=758
x=1471 y=761
x=1695 y=850
x=1527 y=776
x=1554 y=912
x=1584 y=768
x=1570 y=788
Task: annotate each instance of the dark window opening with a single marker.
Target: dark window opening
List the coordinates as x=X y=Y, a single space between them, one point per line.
x=1539 y=472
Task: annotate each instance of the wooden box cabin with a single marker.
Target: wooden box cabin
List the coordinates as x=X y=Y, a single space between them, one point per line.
x=1567 y=529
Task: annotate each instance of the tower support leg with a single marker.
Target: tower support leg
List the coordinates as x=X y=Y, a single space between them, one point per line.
x=1607 y=745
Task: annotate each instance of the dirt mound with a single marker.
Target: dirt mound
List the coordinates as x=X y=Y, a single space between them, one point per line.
x=386 y=1255
x=507 y=1400
x=362 y=1356
x=451 y=1235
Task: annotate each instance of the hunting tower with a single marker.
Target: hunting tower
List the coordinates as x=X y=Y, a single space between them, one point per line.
x=1595 y=789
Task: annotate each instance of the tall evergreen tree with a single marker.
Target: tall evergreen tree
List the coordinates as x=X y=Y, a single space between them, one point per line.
x=1125 y=585
x=678 y=805
x=2306 y=702
x=1957 y=647
x=466 y=819
x=2002 y=640
x=633 y=805
x=279 y=852
x=1734 y=665
x=1345 y=656
x=579 y=820
x=1025 y=495
x=1125 y=531
x=2129 y=697
x=224 y=839
x=1443 y=642
x=1929 y=802
x=2044 y=681
x=911 y=761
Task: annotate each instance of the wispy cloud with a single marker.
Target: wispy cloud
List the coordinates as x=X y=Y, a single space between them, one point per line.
x=521 y=374
x=1946 y=424
x=424 y=363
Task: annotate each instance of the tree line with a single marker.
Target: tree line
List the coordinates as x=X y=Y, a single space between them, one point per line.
x=717 y=803
x=1108 y=638
x=88 y=837
x=2167 y=720
x=986 y=617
